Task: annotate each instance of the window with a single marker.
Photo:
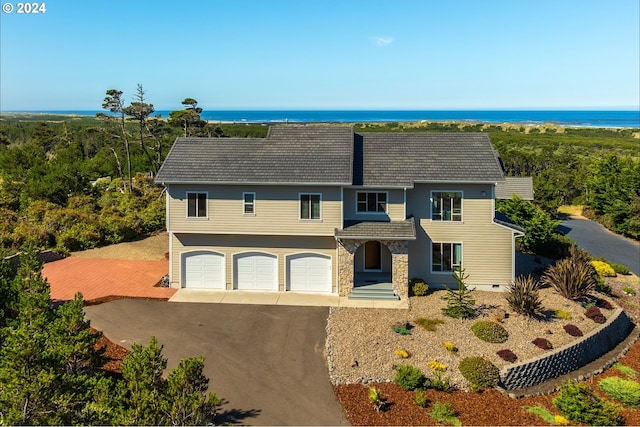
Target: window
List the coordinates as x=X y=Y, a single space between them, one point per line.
x=196 y=205
x=309 y=206
x=446 y=257
x=371 y=202
x=446 y=205
x=249 y=203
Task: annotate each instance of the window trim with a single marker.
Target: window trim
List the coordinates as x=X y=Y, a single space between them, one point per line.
x=376 y=212
x=206 y=205
x=461 y=264
x=300 y=218
x=252 y=204
x=452 y=221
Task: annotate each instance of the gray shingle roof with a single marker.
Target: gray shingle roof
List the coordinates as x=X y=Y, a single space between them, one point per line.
x=289 y=155
x=400 y=159
x=390 y=230
x=333 y=155
x=521 y=186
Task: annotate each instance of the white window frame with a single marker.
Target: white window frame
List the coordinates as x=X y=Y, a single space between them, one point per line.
x=367 y=211
x=310 y=207
x=206 y=205
x=452 y=249
x=245 y=204
x=443 y=210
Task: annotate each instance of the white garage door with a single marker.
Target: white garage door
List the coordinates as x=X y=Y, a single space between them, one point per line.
x=309 y=273
x=203 y=270
x=256 y=271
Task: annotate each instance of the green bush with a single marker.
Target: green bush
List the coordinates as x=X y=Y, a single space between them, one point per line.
x=444 y=413
x=418 y=287
x=580 y=405
x=420 y=398
x=523 y=296
x=409 y=377
x=620 y=269
x=479 y=372
x=402 y=329
x=489 y=331
x=572 y=277
x=626 y=391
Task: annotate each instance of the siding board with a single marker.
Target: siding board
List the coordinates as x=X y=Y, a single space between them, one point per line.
x=277 y=211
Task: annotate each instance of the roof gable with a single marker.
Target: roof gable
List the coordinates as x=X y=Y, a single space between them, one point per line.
x=288 y=155
x=400 y=159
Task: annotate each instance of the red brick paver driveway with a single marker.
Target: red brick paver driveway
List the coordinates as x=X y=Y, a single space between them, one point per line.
x=104 y=278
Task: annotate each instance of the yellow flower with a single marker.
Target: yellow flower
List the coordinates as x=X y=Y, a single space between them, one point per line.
x=560 y=420
x=436 y=366
x=403 y=354
x=450 y=347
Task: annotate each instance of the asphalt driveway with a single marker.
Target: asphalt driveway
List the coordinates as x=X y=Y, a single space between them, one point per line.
x=265 y=362
x=598 y=241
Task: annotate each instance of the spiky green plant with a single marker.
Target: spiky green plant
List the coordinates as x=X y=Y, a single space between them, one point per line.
x=523 y=296
x=572 y=277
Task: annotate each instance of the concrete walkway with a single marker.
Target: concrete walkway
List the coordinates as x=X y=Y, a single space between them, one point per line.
x=278 y=298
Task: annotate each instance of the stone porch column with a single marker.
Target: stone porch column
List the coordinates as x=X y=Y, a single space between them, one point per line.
x=400 y=267
x=346 y=253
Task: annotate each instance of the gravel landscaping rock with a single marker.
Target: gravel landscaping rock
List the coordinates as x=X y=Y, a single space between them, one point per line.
x=361 y=342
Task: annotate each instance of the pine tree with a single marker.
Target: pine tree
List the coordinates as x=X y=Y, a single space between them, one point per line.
x=460 y=303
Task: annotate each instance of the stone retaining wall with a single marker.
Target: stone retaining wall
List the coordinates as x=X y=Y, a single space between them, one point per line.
x=569 y=357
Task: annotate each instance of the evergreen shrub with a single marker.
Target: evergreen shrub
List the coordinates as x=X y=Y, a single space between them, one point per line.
x=409 y=377
x=418 y=287
x=626 y=391
x=479 y=371
x=603 y=269
x=489 y=331
x=579 y=404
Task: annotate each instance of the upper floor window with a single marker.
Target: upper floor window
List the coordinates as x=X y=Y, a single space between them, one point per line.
x=309 y=206
x=446 y=205
x=249 y=203
x=196 y=205
x=446 y=257
x=371 y=202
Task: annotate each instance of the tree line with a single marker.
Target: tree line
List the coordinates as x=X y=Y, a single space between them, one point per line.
x=73 y=183
x=52 y=368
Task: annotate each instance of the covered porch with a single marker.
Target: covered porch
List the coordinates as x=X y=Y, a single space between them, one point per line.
x=373 y=258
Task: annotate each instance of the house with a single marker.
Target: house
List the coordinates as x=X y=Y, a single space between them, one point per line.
x=323 y=209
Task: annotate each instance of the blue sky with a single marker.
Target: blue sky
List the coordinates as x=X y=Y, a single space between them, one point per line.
x=324 y=54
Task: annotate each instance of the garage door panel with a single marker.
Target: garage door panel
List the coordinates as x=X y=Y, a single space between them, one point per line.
x=309 y=273
x=203 y=270
x=256 y=271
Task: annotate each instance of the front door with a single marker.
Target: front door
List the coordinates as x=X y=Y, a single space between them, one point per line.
x=372 y=256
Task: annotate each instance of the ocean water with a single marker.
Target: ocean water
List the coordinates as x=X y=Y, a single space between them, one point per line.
x=578 y=118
